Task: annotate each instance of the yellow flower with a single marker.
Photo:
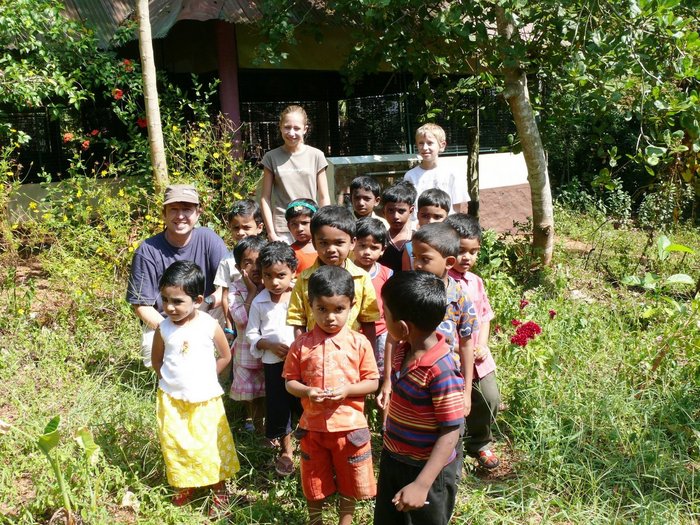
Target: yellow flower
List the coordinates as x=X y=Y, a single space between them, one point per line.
x=46 y=216
x=15 y=226
x=65 y=218
x=103 y=172
x=216 y=155
x=9 y=174
x=227 y=145
x=175 y=128
x=20 y=311
x=79 y=194
x=237 y=195
x=32 y=205
x=121 y=192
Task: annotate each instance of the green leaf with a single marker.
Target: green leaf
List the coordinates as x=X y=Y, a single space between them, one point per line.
x=679 y=248
x=650 y=281
x=87 y=443
x=655 y=151
x=680 y=278
x=632 y=280
x=51 y=436
x=661 y=244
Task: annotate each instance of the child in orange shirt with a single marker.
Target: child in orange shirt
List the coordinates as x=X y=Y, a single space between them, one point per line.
x=298 y=215
x=332 y=368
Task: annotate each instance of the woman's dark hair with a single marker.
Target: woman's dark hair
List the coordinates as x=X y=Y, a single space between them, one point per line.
x=335 y=216
x=328 y=281
x=369 y=226
x=252 y=242
x=277 y=252
x=417 y=297
x=186 y=274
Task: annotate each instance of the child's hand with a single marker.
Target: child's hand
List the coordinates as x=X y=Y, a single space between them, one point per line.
x=338 y=393
x=384 y=395
x=279 y=349
x=480 y=353
x=411 y=497
x=317 y=395
x=467 y=403
x=249 y=285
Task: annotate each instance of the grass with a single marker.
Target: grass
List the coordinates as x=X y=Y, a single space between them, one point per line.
x=593 y=432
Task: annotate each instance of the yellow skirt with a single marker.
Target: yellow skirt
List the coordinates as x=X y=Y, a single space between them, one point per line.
x=196 y=441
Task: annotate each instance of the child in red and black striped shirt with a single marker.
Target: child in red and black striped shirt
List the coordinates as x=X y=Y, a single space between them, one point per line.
x=419 y=467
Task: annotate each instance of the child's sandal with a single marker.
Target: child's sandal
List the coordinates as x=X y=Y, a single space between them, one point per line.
x=487 y=459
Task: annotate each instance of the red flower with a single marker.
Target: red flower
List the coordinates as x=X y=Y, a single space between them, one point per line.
x=141 y=122
x=128 y=65
x=552 y=314
x=515 y=322
x=95 y=132
x=85 y=145
x=117 y=94
x=523 y=303
x=67 y=137
x=519 y=339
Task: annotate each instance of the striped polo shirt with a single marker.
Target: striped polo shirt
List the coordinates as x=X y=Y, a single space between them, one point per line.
x=427 y=394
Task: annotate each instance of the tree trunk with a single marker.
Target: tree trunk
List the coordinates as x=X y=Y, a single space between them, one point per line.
x=473 y=170
x=516 y=93
x=150 y=95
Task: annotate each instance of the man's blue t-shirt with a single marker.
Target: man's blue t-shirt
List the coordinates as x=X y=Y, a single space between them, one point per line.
x=155 y=254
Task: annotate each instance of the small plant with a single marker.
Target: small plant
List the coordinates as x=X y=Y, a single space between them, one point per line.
x=653 y=281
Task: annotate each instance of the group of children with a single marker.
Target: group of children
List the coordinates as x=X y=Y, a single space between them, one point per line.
x=338 y=305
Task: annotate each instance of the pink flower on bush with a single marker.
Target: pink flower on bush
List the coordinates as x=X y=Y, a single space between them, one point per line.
x=117 y=94
x=519 y=339
x=552 y=314
x=85 y=145
x=67 y=137
x=515 y=322
x=523 y=303
x=95 y=132
x=128 y=65
x=525 y=332
x=141 y=122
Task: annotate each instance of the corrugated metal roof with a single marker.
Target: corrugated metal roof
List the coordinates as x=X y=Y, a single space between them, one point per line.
x=105 y=16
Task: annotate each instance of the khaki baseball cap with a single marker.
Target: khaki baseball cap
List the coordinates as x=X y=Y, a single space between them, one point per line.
x=181 y=193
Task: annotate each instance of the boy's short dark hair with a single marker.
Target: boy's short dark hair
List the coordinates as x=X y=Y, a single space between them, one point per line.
x=186 y=274
x=417 y=297
x=367 y=226
x=277 y=252
x=252 y=242
x=246 y=208
x=440 y=236
x=299 y=207
x=403 y=192
x=328 y=281
x=366 y=183
x=435 y=197
x=466 y=226
x=335 y=216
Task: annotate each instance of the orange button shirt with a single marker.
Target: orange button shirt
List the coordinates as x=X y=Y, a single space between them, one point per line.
x=321 y=360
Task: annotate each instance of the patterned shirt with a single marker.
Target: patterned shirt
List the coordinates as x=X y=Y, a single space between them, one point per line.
x=460 y=317
x=427 y=395
x=474 y=286
x=322 y=360
x=364 y=309
x=237 y=294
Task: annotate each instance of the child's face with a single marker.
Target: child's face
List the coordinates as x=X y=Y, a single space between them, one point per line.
x=300 y=228
x=249 y=265
x=468 y=254
x=331 y=313
x=397 y=214
x=277 y=277
x=429 y=147
x=367 y=251
x=293 y=127
x=428 y=259
x=242 y=227
x=428 y=214
x=333 y=245
x=179 y=306
x=363 y=202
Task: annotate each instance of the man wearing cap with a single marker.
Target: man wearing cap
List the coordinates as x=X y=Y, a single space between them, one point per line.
x=179 y=241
